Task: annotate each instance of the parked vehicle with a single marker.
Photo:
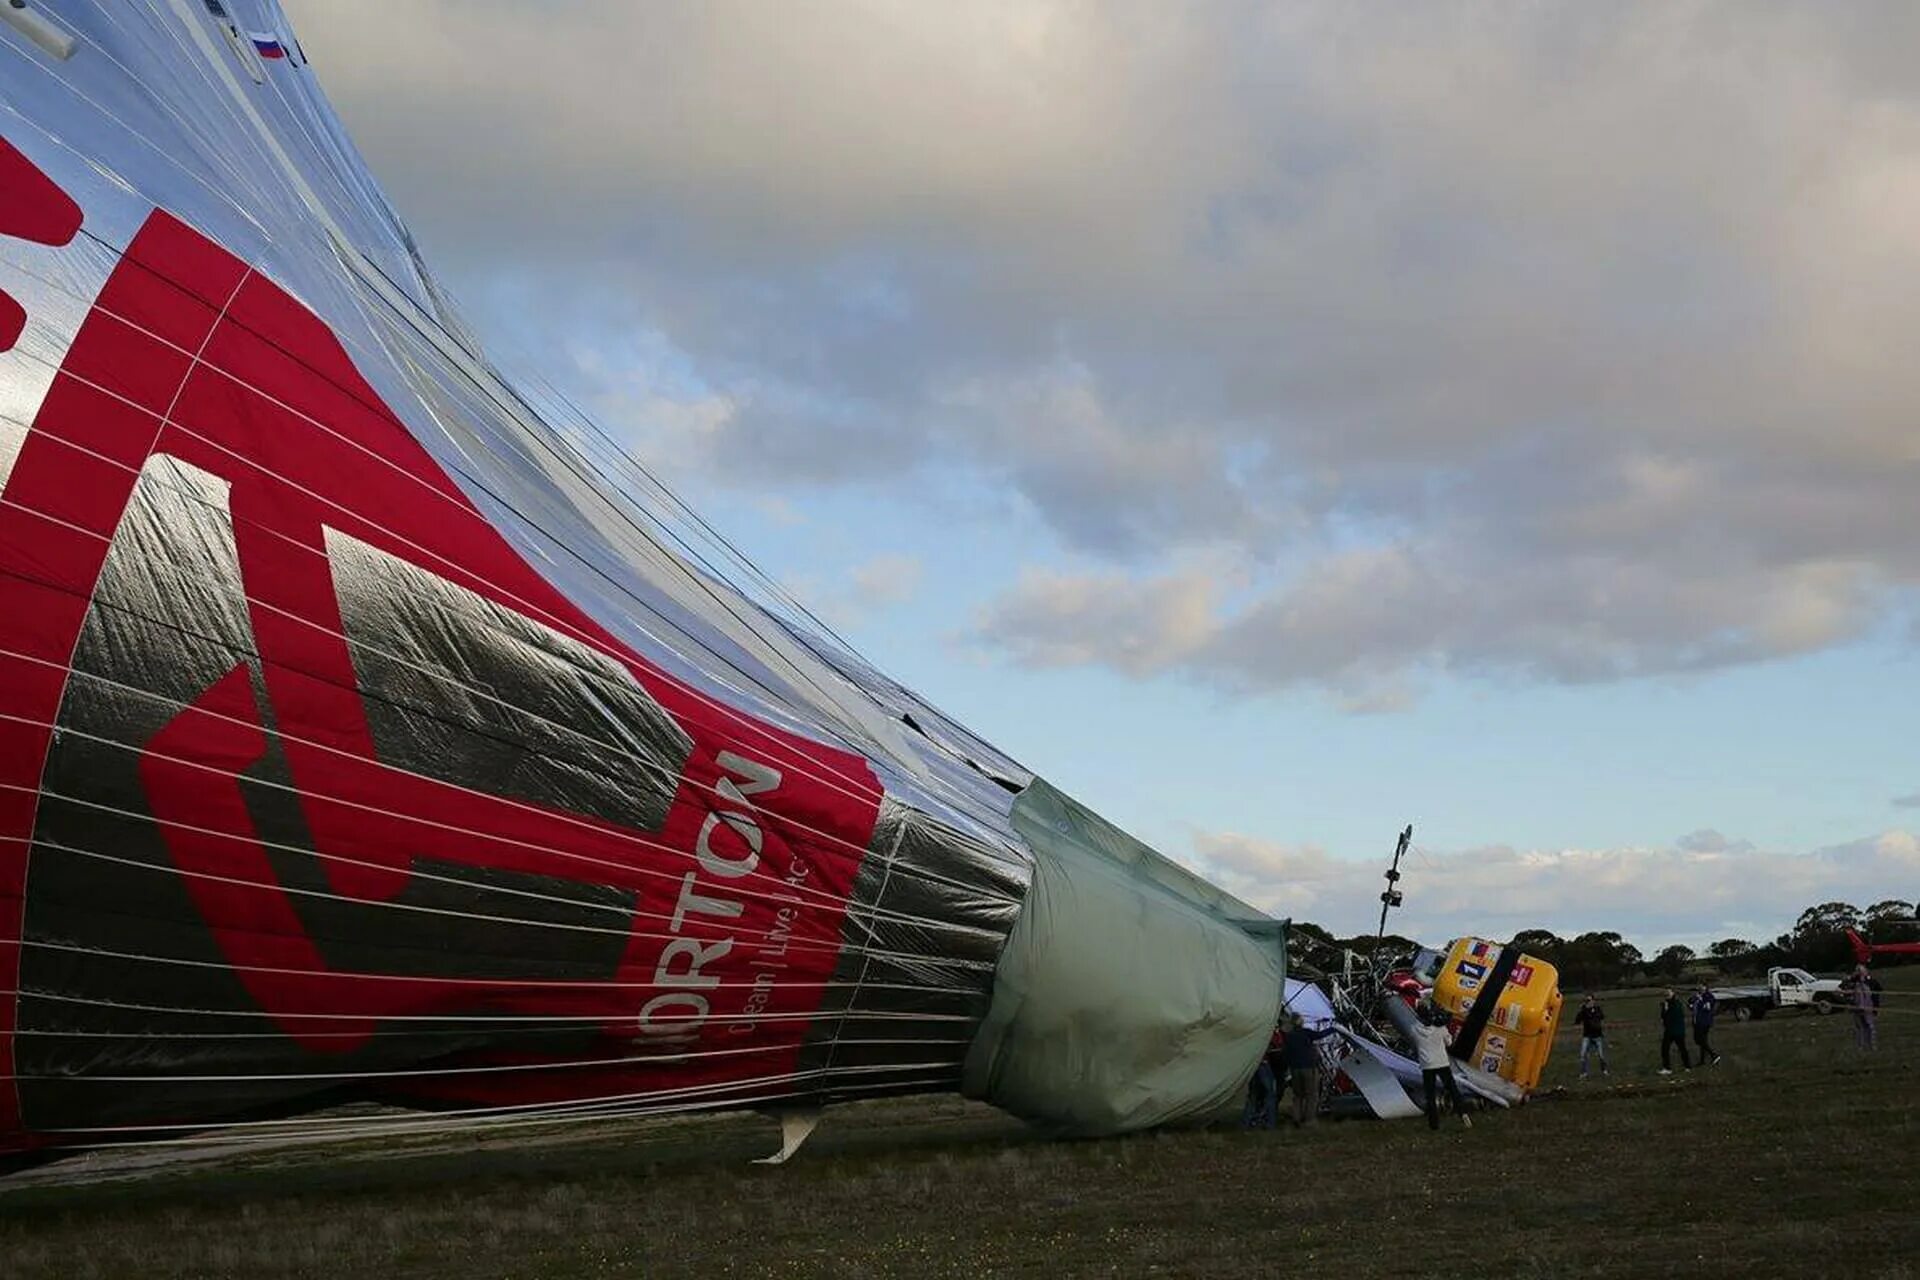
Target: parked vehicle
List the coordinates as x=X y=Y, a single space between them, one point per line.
x=1785 y=989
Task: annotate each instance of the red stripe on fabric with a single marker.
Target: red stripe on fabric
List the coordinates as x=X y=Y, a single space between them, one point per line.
x=13 y=321
x=32 y=205
x=50 y=482
x=278 y=411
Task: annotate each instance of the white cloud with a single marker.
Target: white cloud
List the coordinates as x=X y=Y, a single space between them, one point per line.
x=887 y=579
x=1707 y=840
x=1368 y=623
x=855 y=595
x=1555 y=346
x=1703 y=887
x=1053 y=619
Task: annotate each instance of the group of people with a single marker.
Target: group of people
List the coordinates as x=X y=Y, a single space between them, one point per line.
x=1675 y=1013
x=1862 y=990
x=1292 y=1061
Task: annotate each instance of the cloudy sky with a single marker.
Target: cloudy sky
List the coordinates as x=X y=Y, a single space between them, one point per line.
x=1275 y=423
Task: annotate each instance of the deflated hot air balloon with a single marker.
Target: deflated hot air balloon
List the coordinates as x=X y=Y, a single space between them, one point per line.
x=372 y=728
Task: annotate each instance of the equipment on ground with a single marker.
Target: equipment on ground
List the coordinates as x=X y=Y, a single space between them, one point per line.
x=1505 y=1006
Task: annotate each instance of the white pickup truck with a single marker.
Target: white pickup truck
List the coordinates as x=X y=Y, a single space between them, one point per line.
x=1785 y=989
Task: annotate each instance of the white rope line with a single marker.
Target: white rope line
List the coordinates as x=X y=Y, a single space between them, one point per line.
x=597 y=442
x=622 y=871
x=480 y=1027
x=619 y=874
x=112 y=14
x=513 y=406
x=731 y=1097
x=236 y=1132
x=435 y=675
x=172 y=161
x=545 y=436
x=966 y=800
x=841 y=847
x=585 y=822
x=724 y=1096
x=171 y=1078
x=605 y=446
x=532 y=429
x=764 y=742
x=34 y=799
x=590 y=1103
x=805 y=765
x=866 y=962
x=356 y=187
x=465 y=884
x=548 y=1023
x=799 y=615
x=550 y=986
x=170 y=870
x=362 y=181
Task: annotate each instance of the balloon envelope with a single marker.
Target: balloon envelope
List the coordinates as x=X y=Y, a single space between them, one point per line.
x=372 y=726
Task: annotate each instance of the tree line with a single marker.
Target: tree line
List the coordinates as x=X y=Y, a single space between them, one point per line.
x=1817 y=941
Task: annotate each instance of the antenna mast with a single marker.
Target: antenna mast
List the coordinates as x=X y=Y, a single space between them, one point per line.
x=1391 y=897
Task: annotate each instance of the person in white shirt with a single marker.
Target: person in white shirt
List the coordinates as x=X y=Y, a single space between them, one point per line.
x=1436 y=1066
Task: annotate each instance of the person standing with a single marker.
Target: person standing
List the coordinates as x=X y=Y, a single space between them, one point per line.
x=1301 y=1052
x=1593 y=1034
x=1673 y=1032
x=1263 y=1090
x=1436 y=1068
x=1863 y=992
x=1704 y=1008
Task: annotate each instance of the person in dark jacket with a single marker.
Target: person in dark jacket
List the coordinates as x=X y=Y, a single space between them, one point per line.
x=1593 y=1034
x=1704 y=1007
x=1301 y=1052
x=1262 y=1110
x=1673 y=1033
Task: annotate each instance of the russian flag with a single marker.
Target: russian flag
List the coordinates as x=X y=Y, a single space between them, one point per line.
x=267 y=44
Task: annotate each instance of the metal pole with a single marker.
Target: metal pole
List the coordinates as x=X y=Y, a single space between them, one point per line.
x=1391 y=897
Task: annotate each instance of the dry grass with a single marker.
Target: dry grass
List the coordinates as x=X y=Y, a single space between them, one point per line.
x=1796 y=1157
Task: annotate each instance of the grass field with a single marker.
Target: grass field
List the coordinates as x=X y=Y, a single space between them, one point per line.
x=1796 y=1157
